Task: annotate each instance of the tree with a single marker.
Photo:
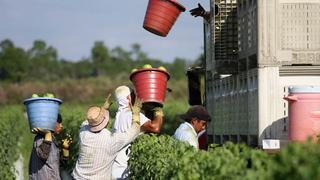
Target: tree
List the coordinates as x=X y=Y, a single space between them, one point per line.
x=137 y=53
x=43 y=61
x=178 y=68
x=100 y=57
x=13 y=62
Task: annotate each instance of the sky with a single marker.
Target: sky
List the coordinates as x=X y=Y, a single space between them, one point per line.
x=72 y=27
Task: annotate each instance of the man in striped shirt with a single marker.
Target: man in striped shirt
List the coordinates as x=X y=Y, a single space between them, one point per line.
x=98 y=146
x=125 y=98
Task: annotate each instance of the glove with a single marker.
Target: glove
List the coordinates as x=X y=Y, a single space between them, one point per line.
x=65 y=145
x=66 y=142
x=157 y=112
x=107 y=103
x=47 y=133
x=136 y=111
x=199 y=11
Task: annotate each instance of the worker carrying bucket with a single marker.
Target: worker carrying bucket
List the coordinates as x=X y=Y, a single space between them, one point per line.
x=161 y=15
x=150 y=83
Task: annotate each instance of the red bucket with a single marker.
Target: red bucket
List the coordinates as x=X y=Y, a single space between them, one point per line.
x=150 y=84
x=161 y=15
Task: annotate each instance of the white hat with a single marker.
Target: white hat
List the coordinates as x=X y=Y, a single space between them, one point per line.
x=122 y=92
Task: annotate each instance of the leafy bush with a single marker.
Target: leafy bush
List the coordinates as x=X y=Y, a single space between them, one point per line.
x=162 y=157
x=9 y=138
x=297 y=162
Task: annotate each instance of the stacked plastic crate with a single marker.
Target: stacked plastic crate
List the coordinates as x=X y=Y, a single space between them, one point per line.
x=277 y=46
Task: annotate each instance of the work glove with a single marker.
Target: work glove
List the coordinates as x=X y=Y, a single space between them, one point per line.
x=136 y=111
x=65 y=145
x=199 y=11
x=157 y=112
x=47 y=133
x=107 y=103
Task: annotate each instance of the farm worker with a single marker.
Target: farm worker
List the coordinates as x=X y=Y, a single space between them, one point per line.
x=200 y=11
x=196 y=119
x=98 y=146
x=45 y=155
x=125 y=97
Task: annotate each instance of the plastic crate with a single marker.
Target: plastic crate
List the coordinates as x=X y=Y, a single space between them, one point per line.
x=250 y=34
x=279 y=33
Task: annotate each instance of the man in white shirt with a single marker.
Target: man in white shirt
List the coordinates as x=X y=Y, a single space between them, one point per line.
x=196 y=119
x=125 y=98
x=98 y=146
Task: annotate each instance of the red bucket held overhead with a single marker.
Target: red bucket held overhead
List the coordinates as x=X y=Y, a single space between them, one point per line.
x=150 y=84
x=161 y=15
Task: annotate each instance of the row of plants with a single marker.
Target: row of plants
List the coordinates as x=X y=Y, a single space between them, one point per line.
x=13 y=139
x=162 y=157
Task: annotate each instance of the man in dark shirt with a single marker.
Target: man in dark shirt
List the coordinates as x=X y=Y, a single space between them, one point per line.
x=45 y=156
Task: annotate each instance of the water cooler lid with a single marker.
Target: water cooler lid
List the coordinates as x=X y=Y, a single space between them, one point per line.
x=304 y=89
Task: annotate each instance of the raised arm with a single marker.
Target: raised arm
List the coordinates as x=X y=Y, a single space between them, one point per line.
x=155 y=125
x=122 y=139
x=43 y=146
x=200 y=11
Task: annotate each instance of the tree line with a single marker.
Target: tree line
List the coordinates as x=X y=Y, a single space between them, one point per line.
x=42 y=63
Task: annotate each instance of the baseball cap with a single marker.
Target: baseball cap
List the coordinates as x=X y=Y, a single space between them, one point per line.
x=196 y=111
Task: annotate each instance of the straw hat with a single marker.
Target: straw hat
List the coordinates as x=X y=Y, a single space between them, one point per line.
x=98 y=118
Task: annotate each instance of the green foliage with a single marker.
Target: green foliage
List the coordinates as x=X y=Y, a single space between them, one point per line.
x=73 y=116
x=10 y=135
x=41 y=62
x=162 y=157
x=156 y=157
x=172 y=110
x=13 y=64
x=297 y=162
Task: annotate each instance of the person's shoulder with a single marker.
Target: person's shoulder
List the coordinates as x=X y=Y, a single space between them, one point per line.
x=181 y=130
x=84 y=123
x=38 y=138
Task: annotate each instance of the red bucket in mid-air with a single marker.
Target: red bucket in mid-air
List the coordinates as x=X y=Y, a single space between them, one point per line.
x=150 y=84
x=161 y=15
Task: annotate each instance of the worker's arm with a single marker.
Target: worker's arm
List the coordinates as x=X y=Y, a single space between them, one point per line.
x=200 y=11
x=43 y=145
x=122 y=139
x=154 y=126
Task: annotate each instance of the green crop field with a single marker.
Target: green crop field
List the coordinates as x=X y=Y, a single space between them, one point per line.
x=162 y=157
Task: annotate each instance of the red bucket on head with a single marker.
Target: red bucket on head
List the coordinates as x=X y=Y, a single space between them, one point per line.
x=150 y=84
x=161 y=15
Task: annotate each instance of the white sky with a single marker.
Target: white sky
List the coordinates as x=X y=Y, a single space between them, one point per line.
x=72 y=26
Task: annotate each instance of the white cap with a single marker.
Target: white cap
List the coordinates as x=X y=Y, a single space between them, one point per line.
x=122 y=92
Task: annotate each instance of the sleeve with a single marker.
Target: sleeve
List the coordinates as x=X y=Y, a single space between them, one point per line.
x=123 y=139
x=43 y=148
x=63 y=160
